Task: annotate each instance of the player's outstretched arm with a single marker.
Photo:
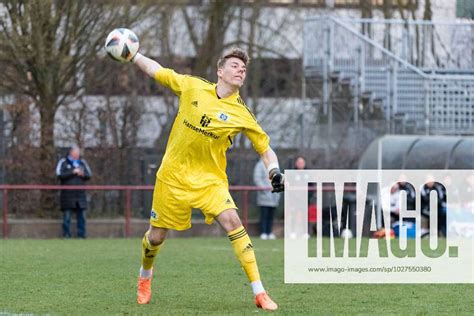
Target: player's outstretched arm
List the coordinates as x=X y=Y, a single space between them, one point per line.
x=147 y=65
x=277 y=178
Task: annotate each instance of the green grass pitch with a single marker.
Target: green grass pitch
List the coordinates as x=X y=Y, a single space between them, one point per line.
x=192 y=276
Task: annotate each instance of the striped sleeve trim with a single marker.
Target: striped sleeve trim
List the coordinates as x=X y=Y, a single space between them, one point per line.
x=205 y=80
x=241 y=102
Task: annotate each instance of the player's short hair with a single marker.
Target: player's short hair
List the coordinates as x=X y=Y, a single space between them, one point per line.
x=233 y=52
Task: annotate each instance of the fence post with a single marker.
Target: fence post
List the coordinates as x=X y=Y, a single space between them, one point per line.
x=245 y=208
x=5 y=214
x=128 y=211
x=427 y=92
x=326 y=64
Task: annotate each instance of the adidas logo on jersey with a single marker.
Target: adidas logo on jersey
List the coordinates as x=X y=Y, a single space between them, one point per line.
x=195 y=103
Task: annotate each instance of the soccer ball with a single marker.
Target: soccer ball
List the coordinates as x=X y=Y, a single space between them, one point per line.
x=346 y=233
x=121 y=45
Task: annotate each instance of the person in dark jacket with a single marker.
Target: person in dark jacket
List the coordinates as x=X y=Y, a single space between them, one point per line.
x=72 y=170
x=432 y=185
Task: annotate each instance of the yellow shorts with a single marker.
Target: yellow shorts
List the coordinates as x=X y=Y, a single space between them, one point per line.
x=172 y=206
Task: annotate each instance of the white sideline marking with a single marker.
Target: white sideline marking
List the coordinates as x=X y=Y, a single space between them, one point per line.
x=5 y=313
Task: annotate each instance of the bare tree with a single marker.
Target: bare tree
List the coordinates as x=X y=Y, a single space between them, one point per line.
x=208 y=40
x=21 y=152
x=45 y=46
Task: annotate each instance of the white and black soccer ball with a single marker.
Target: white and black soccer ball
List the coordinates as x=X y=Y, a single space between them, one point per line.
x=122 y=45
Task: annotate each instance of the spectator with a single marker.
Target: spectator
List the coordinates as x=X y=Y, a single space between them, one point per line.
x=72 y=170
x=395 y=208
x=395 y=192
x=300 y=164
x=440 y=190
x=266 y=200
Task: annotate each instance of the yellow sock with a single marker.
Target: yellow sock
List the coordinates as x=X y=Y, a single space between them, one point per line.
x=244 y=251
x=149 y=252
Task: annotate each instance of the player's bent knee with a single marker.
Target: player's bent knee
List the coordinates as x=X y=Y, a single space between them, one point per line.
x=234 y=224
x=157 y=235
x=229 y=220
x=156 y=240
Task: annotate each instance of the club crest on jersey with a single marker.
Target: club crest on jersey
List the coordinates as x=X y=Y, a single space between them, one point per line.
x=223 y=117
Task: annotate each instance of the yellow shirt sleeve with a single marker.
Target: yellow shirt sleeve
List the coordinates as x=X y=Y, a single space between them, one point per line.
x=172 y=80
x=259 y=139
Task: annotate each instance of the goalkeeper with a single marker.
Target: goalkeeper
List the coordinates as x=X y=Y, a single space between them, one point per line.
x=192 y=173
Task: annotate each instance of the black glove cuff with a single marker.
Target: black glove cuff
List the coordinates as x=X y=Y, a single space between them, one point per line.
x=273 y=172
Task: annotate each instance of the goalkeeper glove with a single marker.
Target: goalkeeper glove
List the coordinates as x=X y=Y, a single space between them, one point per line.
x=278 y=180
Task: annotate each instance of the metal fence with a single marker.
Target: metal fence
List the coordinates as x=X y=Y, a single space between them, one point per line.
x=426 y=44
x=128 y=189
x=433 y=102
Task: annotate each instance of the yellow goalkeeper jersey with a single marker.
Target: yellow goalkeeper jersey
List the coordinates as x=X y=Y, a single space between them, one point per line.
x=203 y=130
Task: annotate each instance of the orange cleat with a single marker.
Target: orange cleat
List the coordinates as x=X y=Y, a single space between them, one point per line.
x=144 y=290
x=264 y=301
